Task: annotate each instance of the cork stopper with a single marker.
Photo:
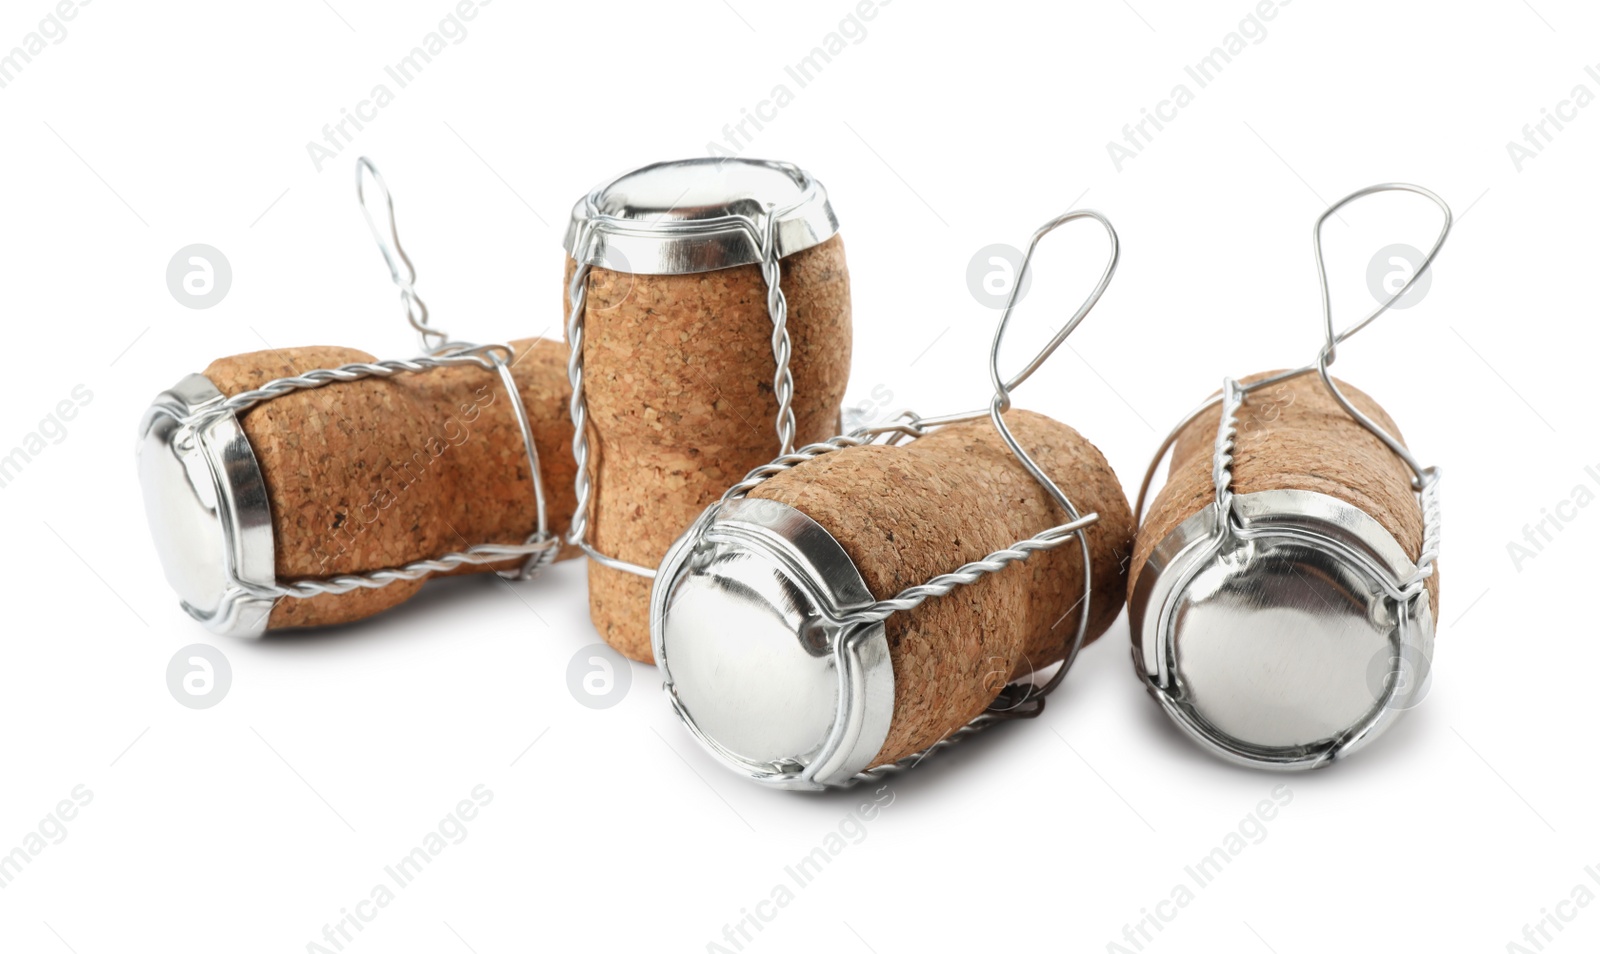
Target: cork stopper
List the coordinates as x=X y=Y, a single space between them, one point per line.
x=1292 y=436
x=380 y=472
x=1282 y=639
x=678 y=374
x=745 y=609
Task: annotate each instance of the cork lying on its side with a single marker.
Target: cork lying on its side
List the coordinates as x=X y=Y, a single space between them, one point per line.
x=907 y=513
x=384 y=471
x=678 y=376
x=1292 y=436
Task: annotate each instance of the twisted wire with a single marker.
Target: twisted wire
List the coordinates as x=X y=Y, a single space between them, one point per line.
x=321 y=377
x=377 y=579
x=760 y=474
x=900 y=765
x=1431 y=524
x=394 y=255
x=765 y=238
x=913 y=596
x=577 y=293
x=778 y=310
x=1222 y=454
x=539 y=550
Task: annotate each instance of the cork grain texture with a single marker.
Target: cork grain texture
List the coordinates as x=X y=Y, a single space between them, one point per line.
x=1292 y=436
x=678 y=376
x=381 y=472
x=907 y=513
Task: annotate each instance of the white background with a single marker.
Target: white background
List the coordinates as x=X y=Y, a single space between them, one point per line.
x=947 y=128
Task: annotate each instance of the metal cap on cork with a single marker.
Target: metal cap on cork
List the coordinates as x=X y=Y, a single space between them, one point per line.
x=741 y=622
x=699 y=215
x=1273 y=641
x=207 y=506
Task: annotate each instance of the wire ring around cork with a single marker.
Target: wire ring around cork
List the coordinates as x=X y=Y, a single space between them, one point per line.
x=1018 y=700
x=762 y=233
x=1228 y=528
x=540 y=547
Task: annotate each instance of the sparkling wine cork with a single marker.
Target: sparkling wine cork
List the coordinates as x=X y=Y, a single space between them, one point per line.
x=678 y=360
x=1292 y=436
x=742 y=608
x=347 y=478
x=1275 y=651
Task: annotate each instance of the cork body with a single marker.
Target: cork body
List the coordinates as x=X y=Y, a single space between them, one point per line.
x=1292 y=436
x=907 y=513
x=678 y=377
x=381 y=472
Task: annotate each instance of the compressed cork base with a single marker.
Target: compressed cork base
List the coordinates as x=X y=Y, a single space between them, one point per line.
x=384 y=471
x=677 y=375
x=1292 y=436
x=910 y=512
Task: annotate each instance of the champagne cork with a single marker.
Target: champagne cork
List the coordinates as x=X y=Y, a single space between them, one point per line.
x=678 y=361
x=743 y=603
x=1274 y=655
x=1292 y=436
x=347 y=478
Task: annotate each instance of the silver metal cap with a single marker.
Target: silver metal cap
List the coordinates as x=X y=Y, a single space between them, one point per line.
x=207 y=506
x=698 y=215
x=740 y=624
x=1275 y=645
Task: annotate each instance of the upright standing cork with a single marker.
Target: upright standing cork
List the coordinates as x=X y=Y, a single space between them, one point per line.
x=678 y=362
x=383 y=471
x=1292 y=436
x=749 y=613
